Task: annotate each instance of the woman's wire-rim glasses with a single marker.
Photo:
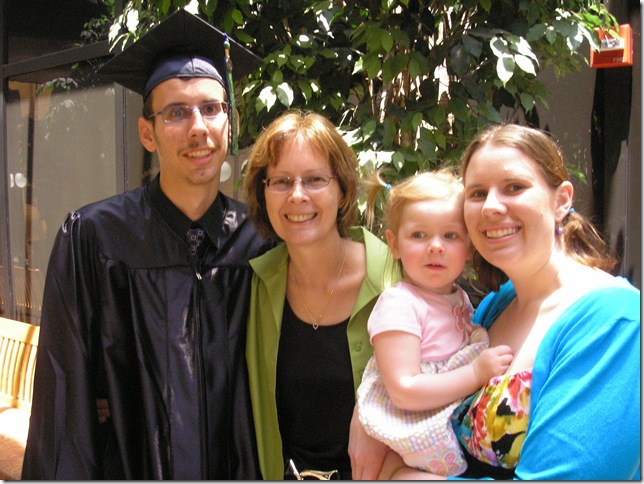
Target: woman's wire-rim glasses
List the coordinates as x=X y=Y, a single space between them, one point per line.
x=179 y=113
x=285 y=183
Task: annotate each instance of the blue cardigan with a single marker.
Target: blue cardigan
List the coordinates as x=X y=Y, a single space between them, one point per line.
x=585 y=399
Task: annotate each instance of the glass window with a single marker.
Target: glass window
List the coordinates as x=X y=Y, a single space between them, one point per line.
x=61 y=156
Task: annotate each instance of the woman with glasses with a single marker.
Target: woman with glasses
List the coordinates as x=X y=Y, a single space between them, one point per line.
x=311 y=296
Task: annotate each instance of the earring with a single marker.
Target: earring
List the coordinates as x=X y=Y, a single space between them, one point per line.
x=559 y=231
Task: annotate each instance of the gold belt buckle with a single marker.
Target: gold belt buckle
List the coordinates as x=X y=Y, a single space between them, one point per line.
x=320 y=475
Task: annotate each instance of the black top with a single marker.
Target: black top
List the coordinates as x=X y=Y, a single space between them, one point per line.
x=212 y=221
x=128 y=315
x=315 y=396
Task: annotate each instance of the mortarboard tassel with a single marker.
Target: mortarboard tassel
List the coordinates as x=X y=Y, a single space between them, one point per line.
x=234 y=146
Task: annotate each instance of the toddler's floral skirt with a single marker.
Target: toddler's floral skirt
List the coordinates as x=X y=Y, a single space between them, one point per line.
x=424 y=439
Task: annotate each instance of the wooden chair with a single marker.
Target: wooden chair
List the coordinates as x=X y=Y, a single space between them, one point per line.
x=18 y=347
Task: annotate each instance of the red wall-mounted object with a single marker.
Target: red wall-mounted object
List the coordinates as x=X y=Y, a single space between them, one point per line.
x=613 y=52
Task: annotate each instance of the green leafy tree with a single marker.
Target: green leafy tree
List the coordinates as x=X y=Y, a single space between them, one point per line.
x=408 y=82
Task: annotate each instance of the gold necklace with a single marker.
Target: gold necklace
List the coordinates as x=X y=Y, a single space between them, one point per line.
x=316 y=321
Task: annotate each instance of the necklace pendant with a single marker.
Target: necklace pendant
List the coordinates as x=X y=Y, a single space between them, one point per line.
x=315 y=323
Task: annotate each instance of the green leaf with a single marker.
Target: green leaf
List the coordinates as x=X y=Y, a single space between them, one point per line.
x=280 y=57
x=473 y=46
x=132 y=20
x=486 y=4
x=520 y=45
x=489 y=113
x=300 y=64
x=459 y=60
x=285 y=94
x=398 y=160
x=439 y=137
x=415 y=70
x=426 y=144
x=417 y=120
x=551 y=35
x=387 y=5
x=401 y=38
x=574 y=41
x=387 y=41
x=536 y=32
x=250 y=87
x=458 y=107
x=244 y=38
x=336 y=102
x=114 y=34
x=237 y=16
x=575 y=171
x=368 y=129
x=324 y=15
x=192 y=7
x=527 y=101
x=373 y=37
x=439 y=116
x=209 y=8
x=505 y=68
x=412 y=157
x=418 y=65
x=358 y=66
x=266 y=99
x=389 y=133
x=565 y=28
x=474 y=90
x=305 y=89
x=392 y=67
x=373 y=65
x=304 y=41
x=277 y=77
x=525 y=64
x=499 y=47
x=352 y=137
x=328 y=53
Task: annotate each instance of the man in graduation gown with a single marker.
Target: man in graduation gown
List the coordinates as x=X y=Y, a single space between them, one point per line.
x=132 y=318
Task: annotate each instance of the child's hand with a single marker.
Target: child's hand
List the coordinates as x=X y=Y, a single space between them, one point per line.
x=492 y=361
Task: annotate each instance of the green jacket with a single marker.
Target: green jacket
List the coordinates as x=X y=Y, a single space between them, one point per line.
x=268 y=290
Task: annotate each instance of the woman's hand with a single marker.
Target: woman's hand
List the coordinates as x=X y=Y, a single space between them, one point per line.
x=367 y=454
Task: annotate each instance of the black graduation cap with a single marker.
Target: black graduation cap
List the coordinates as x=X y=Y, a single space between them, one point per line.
x=183 y=45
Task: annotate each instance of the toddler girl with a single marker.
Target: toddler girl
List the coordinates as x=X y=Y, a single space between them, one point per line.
x=427 y=354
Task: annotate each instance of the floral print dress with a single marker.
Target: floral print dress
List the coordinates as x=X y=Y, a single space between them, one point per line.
x=491 y=424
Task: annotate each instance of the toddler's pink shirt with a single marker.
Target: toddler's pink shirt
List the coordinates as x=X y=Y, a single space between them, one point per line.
x=436 y=319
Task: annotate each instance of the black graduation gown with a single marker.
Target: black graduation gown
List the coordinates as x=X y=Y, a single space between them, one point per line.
x=128 y=316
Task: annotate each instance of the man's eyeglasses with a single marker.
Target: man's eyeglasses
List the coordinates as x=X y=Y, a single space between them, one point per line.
x=179 y=113
x=285 y=183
